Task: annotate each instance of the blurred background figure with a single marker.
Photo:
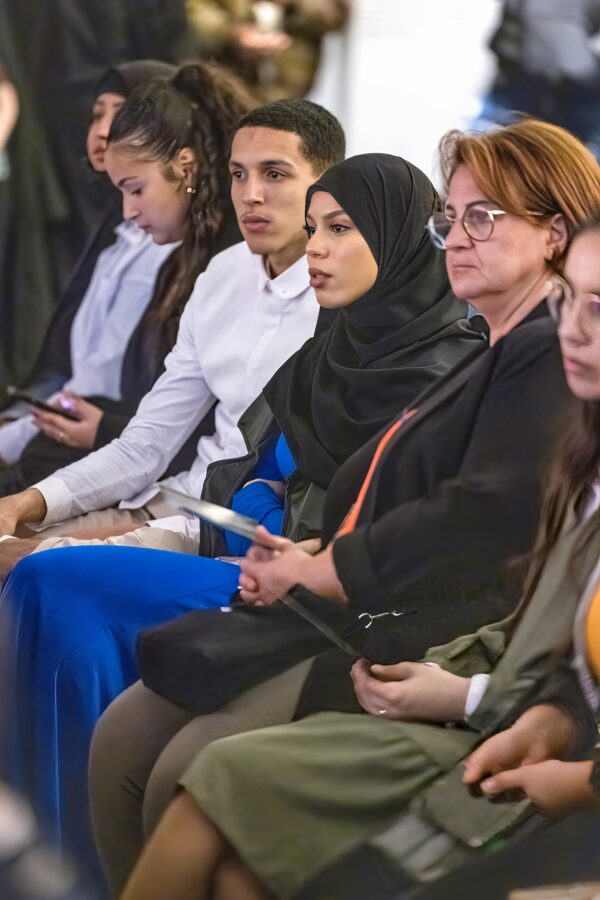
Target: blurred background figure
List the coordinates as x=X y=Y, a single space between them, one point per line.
x=275 y=45
x=548 y=66
x=54 y=52
x=29 y=868
x=9 y=111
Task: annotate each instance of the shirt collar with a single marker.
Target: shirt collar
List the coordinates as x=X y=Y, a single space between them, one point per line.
x=290 y=284
x=130 y=232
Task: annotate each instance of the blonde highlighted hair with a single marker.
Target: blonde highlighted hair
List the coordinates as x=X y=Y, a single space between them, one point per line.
x=531 y=169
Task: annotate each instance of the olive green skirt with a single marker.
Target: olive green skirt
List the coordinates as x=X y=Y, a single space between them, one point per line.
x=292 y=799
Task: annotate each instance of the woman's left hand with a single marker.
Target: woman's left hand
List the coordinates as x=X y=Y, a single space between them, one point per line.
x=81 y=433
x=409 y=690
x=555 y=787
x=275 y=565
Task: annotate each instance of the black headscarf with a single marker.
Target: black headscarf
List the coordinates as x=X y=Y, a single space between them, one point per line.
x=126 y=77
x=343 y=386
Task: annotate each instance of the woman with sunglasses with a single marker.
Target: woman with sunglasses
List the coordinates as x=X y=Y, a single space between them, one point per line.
x=423 y=519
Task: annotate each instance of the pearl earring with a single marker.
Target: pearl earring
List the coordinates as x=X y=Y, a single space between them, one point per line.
x=190 y=190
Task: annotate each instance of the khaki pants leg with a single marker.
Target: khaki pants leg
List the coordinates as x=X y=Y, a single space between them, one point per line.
x=96 y=520
x=142 y=746
x=150 y=538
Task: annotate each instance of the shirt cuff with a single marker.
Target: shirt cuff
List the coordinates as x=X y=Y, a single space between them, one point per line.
x=477 y=689
x=14 y=437
x=59 y=501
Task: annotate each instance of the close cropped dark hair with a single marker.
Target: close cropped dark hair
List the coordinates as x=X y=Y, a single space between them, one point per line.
x=323 y=142
x=199 y=108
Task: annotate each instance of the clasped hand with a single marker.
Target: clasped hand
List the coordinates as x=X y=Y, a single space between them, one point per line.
x=274 y=564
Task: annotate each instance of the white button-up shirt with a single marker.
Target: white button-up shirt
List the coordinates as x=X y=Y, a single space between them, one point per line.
x=117 y=296
x=237 y=329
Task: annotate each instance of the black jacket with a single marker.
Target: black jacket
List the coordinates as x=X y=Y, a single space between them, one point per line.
x=453 y=507
x=456 y=494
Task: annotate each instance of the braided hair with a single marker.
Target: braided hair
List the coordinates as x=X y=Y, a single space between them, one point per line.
x=199 y=108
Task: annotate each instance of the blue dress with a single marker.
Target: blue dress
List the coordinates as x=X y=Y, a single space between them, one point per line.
x=74 y=615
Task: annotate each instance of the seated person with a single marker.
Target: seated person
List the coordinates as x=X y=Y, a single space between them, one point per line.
x=449 y=496
x=326 y=784
x=53 y=367
x=90 y=346
x=262 y=286
x=380 y=264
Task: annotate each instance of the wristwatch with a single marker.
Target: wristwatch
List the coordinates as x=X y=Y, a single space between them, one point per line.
x=595 y=773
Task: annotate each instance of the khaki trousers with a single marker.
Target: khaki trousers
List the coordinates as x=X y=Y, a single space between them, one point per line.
x=142 y=746
x=65 y=534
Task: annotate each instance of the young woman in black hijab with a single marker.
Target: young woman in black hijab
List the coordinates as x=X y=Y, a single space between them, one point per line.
x=386 y=346
x=390 y=336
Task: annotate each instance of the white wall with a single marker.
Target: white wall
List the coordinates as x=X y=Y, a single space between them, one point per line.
x=406 y=71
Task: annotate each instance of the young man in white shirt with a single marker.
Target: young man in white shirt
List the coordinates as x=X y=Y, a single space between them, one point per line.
x=250 y=310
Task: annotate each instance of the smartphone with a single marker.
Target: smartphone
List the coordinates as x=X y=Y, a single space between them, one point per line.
x=468 y=815
x=23 y=397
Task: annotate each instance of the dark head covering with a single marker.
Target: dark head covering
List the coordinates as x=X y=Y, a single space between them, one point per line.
x=343 y=386
x=126 y=77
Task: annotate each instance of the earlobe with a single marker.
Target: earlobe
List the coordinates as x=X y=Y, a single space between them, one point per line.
x=558 y=237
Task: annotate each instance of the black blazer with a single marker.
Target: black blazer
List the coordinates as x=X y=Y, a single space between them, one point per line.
x=456 y=495
x=452 y=510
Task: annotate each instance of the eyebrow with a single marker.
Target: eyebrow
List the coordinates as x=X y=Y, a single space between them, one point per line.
x=266 y=163
x=330 y=215
x=123 y=181
x=481 y=202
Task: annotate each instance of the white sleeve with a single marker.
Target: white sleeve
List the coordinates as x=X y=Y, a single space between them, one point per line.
x=14 y=437
x=165 y=419
x=477 y=689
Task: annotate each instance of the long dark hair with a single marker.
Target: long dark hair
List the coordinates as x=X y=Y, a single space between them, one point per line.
x=199 y=108
x=571 y=474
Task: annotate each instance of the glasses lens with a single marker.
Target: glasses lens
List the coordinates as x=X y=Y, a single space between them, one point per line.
x=479 y=223
x=438 y=226
x=590 y=313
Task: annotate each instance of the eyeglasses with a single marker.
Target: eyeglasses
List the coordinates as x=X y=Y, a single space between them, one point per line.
x=478 y=223
x=561 y=298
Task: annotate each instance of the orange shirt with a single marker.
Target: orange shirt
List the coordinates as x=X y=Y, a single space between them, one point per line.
x=592 y=634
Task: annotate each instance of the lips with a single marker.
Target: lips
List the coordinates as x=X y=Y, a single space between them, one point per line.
x=573 y=366
x=255 y=223
x=318 y=278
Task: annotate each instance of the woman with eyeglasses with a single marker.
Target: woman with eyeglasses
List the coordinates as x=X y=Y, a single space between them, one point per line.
x=424 y=519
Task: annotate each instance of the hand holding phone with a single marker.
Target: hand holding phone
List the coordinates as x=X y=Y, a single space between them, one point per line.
x=23 y=397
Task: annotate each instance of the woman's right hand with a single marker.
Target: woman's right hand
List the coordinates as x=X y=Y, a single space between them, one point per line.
x=409 y=690
x=542 y=732
x=28 y=506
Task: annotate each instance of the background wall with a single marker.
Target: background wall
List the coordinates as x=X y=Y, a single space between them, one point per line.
x=406 y=71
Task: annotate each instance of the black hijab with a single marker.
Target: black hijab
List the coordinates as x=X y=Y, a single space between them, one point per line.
x=55 y=354
x=126 y=77
x=380 y=352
